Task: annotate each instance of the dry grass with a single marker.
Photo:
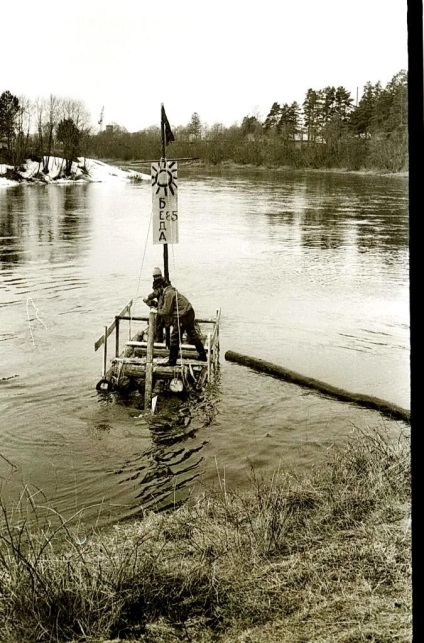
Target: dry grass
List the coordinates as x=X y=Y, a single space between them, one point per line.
x=322 y=558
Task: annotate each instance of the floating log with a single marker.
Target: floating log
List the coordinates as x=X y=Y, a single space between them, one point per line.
x=391 y=410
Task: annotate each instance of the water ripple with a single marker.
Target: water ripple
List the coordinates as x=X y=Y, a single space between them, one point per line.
x=310 y=271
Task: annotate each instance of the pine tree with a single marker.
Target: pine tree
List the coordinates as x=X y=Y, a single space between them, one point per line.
x=9 y=109
x=69 y=134
x=310 y=114
x=272 y=121
x=195 y=126
x=360 y=122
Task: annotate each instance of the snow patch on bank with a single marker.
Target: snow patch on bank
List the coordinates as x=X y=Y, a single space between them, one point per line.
x=87 y=170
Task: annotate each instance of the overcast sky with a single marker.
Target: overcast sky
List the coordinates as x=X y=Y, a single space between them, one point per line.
x=223 y=59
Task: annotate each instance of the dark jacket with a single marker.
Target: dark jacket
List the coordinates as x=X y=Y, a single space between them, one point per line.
x=153 y=298
x=172 y=305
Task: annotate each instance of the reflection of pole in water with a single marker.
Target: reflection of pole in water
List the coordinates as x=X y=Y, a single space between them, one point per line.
x=170 y=469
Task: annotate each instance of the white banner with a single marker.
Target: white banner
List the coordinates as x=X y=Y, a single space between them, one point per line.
x=165 y=201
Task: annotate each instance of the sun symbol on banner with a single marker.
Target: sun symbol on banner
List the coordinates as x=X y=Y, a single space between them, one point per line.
x=164 y=177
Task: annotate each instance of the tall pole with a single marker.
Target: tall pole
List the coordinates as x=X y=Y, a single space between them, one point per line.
x=165 y=245
x=165 y=261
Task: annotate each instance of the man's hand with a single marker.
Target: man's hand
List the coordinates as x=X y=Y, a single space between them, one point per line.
x=151 y=302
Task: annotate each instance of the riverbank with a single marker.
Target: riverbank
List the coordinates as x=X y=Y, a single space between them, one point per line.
x=320 y=557
x=231 y=166
x=82 y=170
x=94 y=170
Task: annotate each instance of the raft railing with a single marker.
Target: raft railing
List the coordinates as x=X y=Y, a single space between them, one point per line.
x=125 y=315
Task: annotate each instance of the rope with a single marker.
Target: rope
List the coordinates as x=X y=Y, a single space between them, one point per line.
x=178 y=312
x=140 y=273
x=144 y=254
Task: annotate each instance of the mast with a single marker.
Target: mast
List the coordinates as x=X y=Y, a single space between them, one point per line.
x=163 y=138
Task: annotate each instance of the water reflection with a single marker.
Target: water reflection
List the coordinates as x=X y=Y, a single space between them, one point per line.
x=164 y=472
x=329 y=210
x=50 y=223
x=310 y=271
x=11 y=210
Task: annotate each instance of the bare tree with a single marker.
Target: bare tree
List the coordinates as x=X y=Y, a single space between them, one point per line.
x=23 y=129
x=76 y=111
x=53 y=105
x=39 y=108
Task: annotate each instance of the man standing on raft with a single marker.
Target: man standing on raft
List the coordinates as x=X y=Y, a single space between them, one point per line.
x=176 y=310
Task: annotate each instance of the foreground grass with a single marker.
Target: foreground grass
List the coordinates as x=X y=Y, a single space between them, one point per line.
x=320 y=558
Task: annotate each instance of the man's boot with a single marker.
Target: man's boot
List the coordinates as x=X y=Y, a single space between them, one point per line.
x=173 y=354
x=201 y=350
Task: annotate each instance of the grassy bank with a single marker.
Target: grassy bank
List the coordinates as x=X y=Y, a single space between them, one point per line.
x=195 y=166
x=320 y=558
x=231 y=165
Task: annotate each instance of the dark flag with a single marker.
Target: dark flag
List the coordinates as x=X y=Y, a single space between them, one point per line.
x=166 y=128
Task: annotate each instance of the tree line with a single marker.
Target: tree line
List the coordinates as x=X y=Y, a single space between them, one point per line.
x=39 y=130
x=326 y=131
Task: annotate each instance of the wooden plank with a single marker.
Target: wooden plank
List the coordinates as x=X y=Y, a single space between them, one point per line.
x=112 y=327
x=105 y=352
x=209 y=357
x=117 y=337
x=137 y=369
x=123 y=315
x=136 y=344
x=159 y=345
x=146 y=318
x=149 y=360
x=141 y=362
x=164 y=352
x=137 y=361
x=215 y=332
x=131 y=318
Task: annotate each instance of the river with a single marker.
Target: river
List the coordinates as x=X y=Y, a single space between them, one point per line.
x=311 y=272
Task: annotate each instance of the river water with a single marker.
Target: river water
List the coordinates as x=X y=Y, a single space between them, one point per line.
x=311 y=272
